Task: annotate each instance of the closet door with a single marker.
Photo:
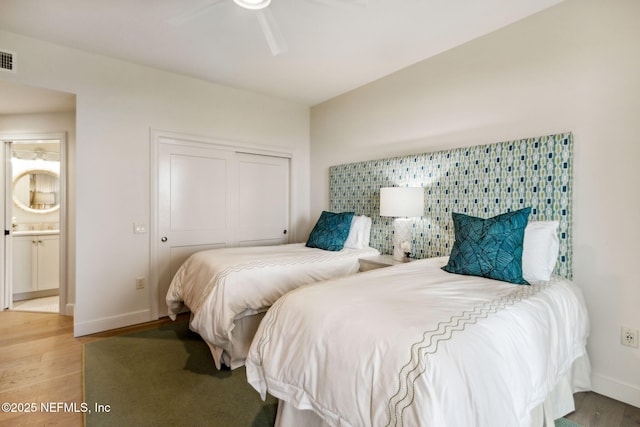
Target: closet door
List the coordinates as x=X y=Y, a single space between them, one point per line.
x=263 y=200
x=210 y=196
x=194 y=206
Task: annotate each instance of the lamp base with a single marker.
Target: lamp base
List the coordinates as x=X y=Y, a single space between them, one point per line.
x=401 y=233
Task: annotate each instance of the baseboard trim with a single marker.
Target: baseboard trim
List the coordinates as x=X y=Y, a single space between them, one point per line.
x=616 y=389
x=69 y=310
x=107 y=323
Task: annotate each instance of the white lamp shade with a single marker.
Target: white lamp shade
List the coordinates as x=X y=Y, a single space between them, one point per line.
x=401 y=201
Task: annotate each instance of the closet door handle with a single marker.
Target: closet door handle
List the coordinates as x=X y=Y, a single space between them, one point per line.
x=163 y=239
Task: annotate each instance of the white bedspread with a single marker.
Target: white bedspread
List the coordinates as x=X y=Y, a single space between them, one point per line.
x=221 y=285
x=414 y=345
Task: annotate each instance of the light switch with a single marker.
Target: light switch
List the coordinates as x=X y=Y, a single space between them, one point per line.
x=139 y=228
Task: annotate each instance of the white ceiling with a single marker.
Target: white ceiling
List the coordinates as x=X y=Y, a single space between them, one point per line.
x=333 y=45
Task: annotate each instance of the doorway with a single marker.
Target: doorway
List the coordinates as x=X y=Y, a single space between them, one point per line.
x=34 y=222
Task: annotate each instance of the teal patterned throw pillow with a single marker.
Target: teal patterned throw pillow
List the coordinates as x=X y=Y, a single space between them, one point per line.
x=331 y=231
x=489 y=247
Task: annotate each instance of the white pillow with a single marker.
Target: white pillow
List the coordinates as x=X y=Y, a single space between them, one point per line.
x=359 y=233
x=540 y=250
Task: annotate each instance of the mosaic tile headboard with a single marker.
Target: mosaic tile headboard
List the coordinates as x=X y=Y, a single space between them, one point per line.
x=483 y=180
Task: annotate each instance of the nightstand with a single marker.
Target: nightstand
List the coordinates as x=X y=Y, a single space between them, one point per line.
x=380 y=261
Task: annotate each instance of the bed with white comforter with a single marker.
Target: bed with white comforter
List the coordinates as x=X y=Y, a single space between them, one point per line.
x=230 y=288
x=413 y=345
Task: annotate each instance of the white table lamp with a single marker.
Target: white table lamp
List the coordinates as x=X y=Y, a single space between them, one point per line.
x=401 y=203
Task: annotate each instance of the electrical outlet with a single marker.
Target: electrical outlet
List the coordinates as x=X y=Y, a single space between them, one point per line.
x=629 y=336
x=139 y=282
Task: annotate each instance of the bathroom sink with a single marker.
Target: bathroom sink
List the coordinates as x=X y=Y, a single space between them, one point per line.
x=35 y=232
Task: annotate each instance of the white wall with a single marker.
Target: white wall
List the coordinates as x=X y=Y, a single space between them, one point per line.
x=574 y=67
x=118 y=103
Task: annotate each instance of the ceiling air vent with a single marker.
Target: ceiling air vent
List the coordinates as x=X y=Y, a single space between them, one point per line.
x=7 y=61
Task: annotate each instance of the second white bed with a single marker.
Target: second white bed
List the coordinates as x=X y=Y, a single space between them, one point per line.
x=414 y=345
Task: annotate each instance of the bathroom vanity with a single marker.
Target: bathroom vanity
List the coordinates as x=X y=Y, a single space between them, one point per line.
x=36 y=263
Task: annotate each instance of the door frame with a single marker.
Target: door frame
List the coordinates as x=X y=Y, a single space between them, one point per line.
x=158 y=137
x=62 y=137
x=6 y=248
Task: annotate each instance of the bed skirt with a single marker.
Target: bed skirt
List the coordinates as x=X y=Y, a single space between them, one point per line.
x=235 y=353
x=557 y=404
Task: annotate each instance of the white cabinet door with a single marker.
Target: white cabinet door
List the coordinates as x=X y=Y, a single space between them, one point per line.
x=263 y=200
x=24 y=271
x=36 y=263
x=48 y=262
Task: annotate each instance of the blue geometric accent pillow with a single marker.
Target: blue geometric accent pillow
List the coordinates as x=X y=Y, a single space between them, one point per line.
x=489 y=247
x=331 y=231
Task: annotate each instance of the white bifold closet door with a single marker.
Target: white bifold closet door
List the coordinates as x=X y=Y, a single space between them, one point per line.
x=211 y=198
x=263 y=200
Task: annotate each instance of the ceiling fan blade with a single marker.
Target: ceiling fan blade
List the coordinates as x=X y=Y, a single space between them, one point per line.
x=193 y=12
x=343 y=3
x=272 y=33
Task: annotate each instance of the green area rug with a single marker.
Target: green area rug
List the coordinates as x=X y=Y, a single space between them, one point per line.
x=166 y=377
x=563 y=422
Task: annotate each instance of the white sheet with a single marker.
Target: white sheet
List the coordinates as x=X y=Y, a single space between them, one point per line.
x=221 y=285
x=413 y=345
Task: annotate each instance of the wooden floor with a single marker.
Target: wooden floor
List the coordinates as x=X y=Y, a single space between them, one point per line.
x=41 y=363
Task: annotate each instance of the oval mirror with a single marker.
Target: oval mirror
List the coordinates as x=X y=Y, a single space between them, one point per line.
x=37 y=191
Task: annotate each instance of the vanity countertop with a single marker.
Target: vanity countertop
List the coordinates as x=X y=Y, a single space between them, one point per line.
x=35 y=232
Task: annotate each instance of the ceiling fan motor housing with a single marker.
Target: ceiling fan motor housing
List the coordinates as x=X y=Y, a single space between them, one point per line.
x=253 y=4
